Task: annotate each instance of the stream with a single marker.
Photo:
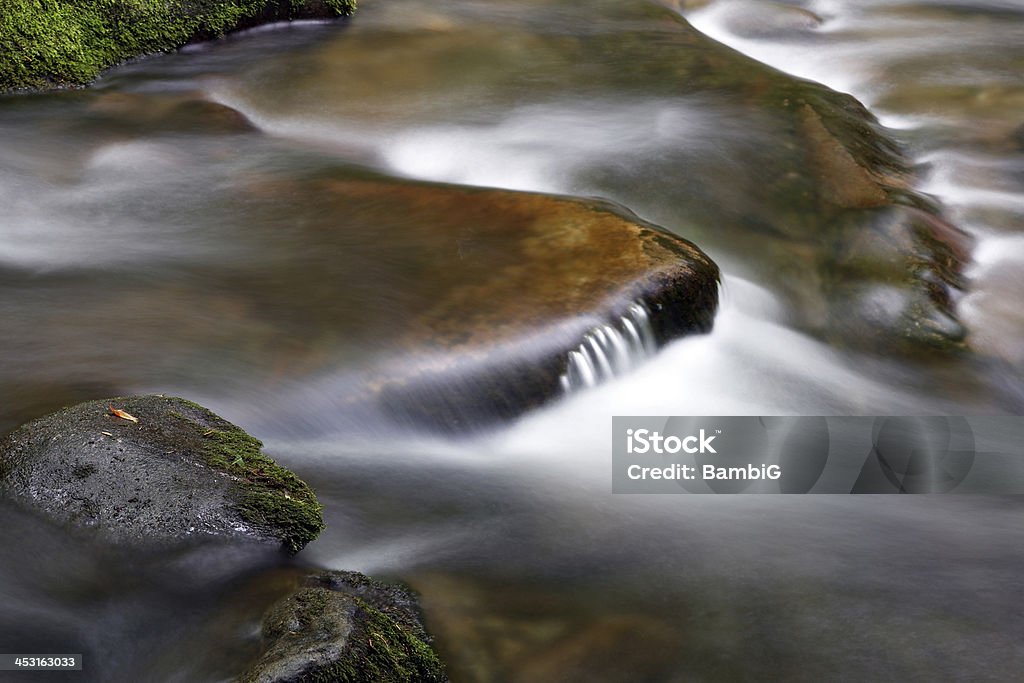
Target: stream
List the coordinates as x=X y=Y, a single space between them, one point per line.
x=156 y=236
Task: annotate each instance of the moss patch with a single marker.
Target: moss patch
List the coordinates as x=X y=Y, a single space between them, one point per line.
x=274 y=497
x=46 y=43
x=386 y=652
x=337 y=637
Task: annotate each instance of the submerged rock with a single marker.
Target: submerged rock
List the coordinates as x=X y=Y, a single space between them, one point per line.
x=768 y=170
x=114 y=115
x=524 y=632
x=345 y=627
x=170 y=471
x=894 y=277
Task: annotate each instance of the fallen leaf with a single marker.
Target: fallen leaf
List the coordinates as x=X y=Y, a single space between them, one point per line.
x=123 y=415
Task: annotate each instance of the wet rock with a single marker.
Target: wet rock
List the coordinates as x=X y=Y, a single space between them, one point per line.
x=47 y=46
x=774 y=171
x=522 y=633
x=844 y=181
x=344 y=626
x=177 y=473
x=894 y=277
x=138 y=113
x=745 y=159
x=515 y=282
x=445 y=305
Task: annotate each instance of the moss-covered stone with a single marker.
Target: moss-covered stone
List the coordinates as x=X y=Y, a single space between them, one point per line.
x=180 y=471
x=45 y=43
x=343 y=627
x=274 y=496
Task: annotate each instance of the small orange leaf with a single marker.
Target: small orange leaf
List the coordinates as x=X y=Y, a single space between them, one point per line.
x=123 y=415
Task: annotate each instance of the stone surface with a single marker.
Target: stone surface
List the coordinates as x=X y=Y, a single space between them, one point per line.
x=441 y=303
x=122 y=114
x=894 y=277
x=506 y=284
x=59 y=44
x=344 y=627
x=178 y=473
x=521 y=632
x=765 y=170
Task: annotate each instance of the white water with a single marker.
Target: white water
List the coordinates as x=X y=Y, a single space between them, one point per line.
x=610 y=350
x=849 y=52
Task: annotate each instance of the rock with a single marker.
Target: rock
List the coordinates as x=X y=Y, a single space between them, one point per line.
x=894 y=277
x=345 y=627
x=179 y=473
x=113 y=113
x=515 y=282
x=417 y=295
x=51 y=45
x=523 y=632
x=844 y=182
x=764 y=168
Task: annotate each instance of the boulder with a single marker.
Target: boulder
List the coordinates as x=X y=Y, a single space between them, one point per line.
x=60 y=44
x=444 y=305
x=347 y=628
x=156 y=470
x=503 y=286
x=767 y=170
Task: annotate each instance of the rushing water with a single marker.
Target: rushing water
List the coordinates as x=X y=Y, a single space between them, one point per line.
x=151 y=244
x=610 y=350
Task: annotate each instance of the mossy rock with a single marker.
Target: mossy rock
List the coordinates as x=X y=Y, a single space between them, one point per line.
x=69 y=42
x=343 y=627
x=179 y=473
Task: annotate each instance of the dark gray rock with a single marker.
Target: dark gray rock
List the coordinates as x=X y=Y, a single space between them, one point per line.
x=180 y=472
x=344 y=626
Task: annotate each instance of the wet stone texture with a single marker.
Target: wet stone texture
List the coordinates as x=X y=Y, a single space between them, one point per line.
x=344 y=627
x=176 y=473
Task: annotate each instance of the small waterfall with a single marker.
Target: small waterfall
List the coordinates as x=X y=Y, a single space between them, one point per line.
x=610 y=350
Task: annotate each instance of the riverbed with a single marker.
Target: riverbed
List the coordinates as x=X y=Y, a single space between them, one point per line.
x=132 y=260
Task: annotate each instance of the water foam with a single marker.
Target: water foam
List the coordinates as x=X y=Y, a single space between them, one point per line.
x=610 y=350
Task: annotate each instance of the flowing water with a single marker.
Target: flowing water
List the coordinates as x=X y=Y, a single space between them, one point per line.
x=152 y=240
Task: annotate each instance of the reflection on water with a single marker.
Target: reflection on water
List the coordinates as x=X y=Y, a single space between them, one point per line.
x=153 y=239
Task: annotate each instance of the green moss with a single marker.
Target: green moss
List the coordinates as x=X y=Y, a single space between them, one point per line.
x=301 y=521
x=45 y=43
x=384 y=652
x=274 y=497
x=335 y=636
